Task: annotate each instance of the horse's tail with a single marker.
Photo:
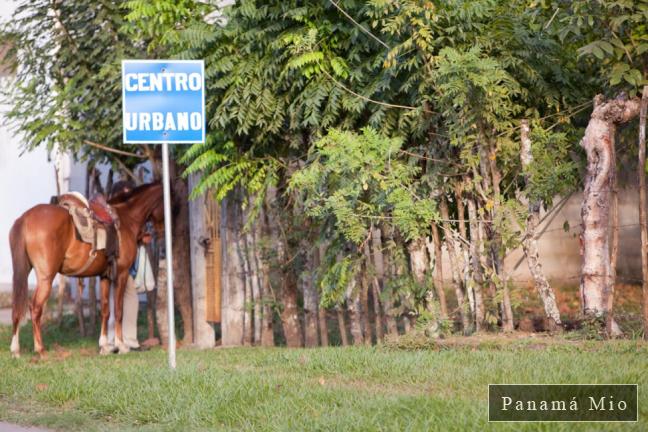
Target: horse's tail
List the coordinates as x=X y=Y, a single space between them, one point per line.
x=21 y=268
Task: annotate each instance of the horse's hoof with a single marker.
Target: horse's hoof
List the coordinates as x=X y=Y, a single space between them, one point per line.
x=123 y=349
x=15 y=354
x=106 y=350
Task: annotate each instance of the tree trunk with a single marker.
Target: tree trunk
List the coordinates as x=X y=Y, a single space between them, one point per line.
x=457 y=276
x=200 y=237
x=243 y=247
x=323 y=325
x=375 y=291
x=267 y=293
x=78 y=305
x=419 y=262
x=311 y=300
x=475 y=258
x=181 y=255
x=233 y=291
x=254 y=278
x=612 y=328
x=643 y=203
x=438 y=271
x=289 y=295
x=92 y=303
x=161 y=303
x=60 y=298
x=598 y=143
x=379 y=265
x=355 y=313
x=530 y=242
x=364 y=303
x=342 y=325
x=497 y=248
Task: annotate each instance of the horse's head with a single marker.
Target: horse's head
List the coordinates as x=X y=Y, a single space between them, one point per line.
x=144 y=203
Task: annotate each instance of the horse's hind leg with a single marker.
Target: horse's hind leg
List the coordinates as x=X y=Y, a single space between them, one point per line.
x=41 y=295
x=104 y=344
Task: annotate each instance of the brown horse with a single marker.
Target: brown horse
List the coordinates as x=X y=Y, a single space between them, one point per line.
x=44 y=239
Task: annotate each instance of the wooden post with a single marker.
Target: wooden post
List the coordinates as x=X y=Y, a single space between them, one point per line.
x=199 y=239
x=641 y=169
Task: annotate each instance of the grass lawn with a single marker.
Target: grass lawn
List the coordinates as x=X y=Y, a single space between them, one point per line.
x=361 y=389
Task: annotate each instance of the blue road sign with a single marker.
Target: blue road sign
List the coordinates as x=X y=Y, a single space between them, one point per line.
x=163 y=101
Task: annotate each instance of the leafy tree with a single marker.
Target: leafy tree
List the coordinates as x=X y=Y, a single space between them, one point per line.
x=67 y=91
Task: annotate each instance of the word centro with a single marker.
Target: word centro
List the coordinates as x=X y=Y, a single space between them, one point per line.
x=165 y=81
x=158 y=121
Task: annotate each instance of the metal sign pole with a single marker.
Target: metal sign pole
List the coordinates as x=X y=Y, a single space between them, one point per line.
x=169 y=253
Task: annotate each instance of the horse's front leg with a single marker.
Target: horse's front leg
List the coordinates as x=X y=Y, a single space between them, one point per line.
x=122 y=278
x=104 y=344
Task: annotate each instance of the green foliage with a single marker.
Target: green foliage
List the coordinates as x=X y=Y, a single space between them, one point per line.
x=553 y=171
x=614 y=35
x=357 y=180
x=68 y=87
x=161 y=22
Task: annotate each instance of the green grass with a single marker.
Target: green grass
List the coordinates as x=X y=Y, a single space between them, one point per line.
x=348 y=389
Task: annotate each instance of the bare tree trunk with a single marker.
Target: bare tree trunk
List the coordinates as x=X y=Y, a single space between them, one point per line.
x=267 y=294
x=323 y=326
x=595 y=211
x=243 y=250
x=530 y=242
x=60 y=298
x=355 y=314
x=233 y=290
x=78 y=304
x=419 y=264
x=641 y=169
x=161 y=303
x=181 y=256
x=611 y=325
x=252 y=241
x=199 y=244
x=311 y=301
x=92 y=302
x=375 y=293
x=496 y=248
x=342 y=325
x=150 y=315
x=379 y=265
x=475 y=244
x=419 y=261
x=438 y=271
x=364 y=303
x=457 y=276
x=289 y=295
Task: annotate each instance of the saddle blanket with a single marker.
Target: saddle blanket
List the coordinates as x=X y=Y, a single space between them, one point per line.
x=101 y=236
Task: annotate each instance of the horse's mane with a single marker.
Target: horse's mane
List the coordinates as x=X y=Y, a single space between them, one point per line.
x=123 y=197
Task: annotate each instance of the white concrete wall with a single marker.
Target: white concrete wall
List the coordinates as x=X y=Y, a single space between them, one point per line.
x=25 y=180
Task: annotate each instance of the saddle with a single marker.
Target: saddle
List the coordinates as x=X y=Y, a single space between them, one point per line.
x=96 y=223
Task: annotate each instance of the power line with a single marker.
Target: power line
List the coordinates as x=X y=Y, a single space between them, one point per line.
x=363 y=28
